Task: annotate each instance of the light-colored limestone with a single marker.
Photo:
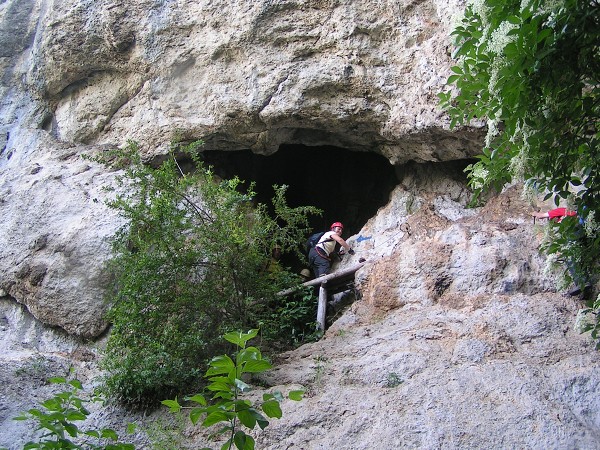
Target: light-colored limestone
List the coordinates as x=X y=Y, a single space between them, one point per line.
x=456 y=303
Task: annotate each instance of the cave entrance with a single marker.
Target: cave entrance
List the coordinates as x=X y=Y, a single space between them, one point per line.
x=348 y=186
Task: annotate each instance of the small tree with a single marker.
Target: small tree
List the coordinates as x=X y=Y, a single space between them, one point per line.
x=227 y=385
x=58 y=417
x=531 y=69
x=189 y=265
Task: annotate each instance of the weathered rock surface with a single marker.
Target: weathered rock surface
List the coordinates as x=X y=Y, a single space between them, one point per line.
x=460 y=339
x=79 y=75
x=497 y=372
x=54 y=238
x=357 y=75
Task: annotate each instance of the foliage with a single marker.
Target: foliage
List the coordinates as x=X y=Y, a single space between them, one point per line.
x=291 y=320
x=531 y=70
x=594 y=325
x=320 y=363
x=57 y=418
x=189 y=264
x=166 y=433
x=227 y=386
x=393 y=380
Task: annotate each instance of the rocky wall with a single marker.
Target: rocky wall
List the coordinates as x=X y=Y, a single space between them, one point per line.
x=460 y=339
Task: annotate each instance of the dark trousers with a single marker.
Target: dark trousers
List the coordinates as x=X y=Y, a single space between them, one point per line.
x=318 y=264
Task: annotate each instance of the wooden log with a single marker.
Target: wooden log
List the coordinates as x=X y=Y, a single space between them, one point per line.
x=322 y=308
x=322 y=279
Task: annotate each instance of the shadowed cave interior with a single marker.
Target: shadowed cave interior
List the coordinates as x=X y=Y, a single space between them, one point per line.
x=348 y=186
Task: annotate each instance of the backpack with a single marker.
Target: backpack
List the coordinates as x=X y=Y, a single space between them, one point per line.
x=314 y=240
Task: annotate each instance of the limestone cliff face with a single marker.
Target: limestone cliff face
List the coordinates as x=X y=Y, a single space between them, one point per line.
x=78 y=76
x=456 y=302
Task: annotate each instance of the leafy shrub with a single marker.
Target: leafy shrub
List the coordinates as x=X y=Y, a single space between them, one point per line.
x=593 y=326
x=227 y=386
x=531 y=70
x=291 y=320
x=57 y=419
x=188 y=266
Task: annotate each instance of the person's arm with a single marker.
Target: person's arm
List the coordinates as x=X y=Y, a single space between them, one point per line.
x=540 y=215
x=342 y=242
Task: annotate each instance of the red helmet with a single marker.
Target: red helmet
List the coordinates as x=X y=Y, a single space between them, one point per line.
x=337 y=224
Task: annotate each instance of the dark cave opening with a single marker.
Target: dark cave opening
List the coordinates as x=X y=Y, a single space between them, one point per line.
x=348 y=186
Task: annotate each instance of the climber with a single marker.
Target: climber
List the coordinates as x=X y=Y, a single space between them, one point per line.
x=319 y=257
x=556 y=214
x=273 y=264
x=305 y=275
x=581 y=283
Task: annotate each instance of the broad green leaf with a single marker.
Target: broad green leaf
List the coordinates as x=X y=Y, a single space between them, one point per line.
x=76 y=383
x=219 y=386
x=243 y=441
x=64 y=395
x=107 y=433
x=198 y=398
x=511 y=50
x=241 y=404
x=257 y=366
x=240 y=338
x=272 y=409
x=261 y=421
x=173 y=405
x=52 y=404
x=35 y=412
x=248 y=354
x=31 y=446
x=57 y=380
x=215 y=417
x=221 y=379
x=71 y=429
x=544 y=34
x=235 y=337
x=195 y=414
x=296 y=395
x=75 y=415
x=247 y=418
x=226 y=395
x=219 y=365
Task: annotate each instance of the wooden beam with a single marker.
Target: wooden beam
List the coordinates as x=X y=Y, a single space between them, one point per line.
x=322 y=308
x=325 y=278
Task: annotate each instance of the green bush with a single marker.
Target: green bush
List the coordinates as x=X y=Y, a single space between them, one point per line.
x=189 y=265
x=531 y=69
x=57 y=420
x=593 y=325
x=291 y=320
x=227 y=386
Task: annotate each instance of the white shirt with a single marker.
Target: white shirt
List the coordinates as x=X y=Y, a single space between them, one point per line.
x=327 y=243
